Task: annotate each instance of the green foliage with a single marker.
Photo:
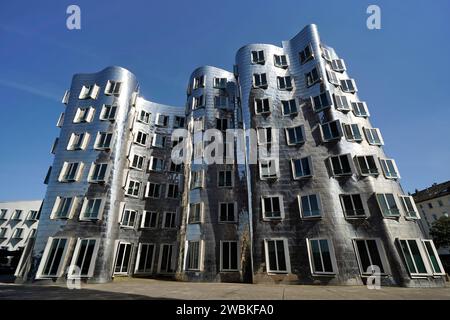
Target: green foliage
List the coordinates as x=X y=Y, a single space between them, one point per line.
x=440 y=231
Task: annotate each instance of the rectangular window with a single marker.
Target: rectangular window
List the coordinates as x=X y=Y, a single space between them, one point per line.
x=220 y=101
x=199 y=82
x=113 y=88
x=333 y=78
x=3 y=231
x=352 y=132
x=321 y=257
x=137 y=162
x=264 y=136
x=17 y=215
x=388 y=205
x=3 y=213
x=360 y=109
x=289 y=107
x=141 y=138
x=414 y=256
x=272 y=207
x=277 y=255
x=313 y=77
x=52 y=263
x=321 y=101
x=177 y=168
x=179 y=122
x=145 y=258
x=89 y=92
x=60 y=122
x=367 y=165
x=258 y=57
x=129 y=218
x=197 y=179
x=260 y=80
x=220 y=83
x=103 y=141
x=193 y=255
x=84 y=115
x=169 y=220
x=198 y=102
x=63 y=208
x=373 y=136
x=144 y=117
x=338 y=65
x=389 y=169
x=352 y=206
x=225 y=178
x=159 y=141
x=161 y=120
x=71 y=171
x=156 y=164
x=91 y=209
x=326 y=54
x=340 y=165
x=331 y=130
x=280 y=61
x=17 y=234
x=268 y=169
x=284 y=83
x=310 y=206
x=84 y=258
x=409 y=207
x=98 y=173
x=149 y=219
x=153 y=190
x=78 y=141
x=195 y=212
x=370 y=255
x=166 y=258
x=198 y=124
x=229 y=256
x=108 y=112
x=262 y=106
x=227 y=212
x=123 y=254
x=295 y=135
x=221 y=124
x=301 y=168
x=32 y=215
x=172 y=191
x=306 y=54
x=341 y=102
x=133 y=188
x=433 y=257
x=65 y=99
x=349 y=86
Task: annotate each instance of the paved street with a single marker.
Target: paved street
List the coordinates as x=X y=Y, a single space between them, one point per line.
x=126 y=288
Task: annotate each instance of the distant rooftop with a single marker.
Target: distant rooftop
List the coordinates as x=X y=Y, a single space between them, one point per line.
x=435 y=191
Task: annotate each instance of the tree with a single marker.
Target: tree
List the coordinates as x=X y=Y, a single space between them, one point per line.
x=440 y=232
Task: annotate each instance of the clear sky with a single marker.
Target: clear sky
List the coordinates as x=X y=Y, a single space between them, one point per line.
x=402 y=70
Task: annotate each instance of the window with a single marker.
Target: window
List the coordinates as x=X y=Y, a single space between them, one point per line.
x=264 y=136
x=312 y=77
x=137 y=162
x=199 y=124
x=17 y=215
x=197 y=179
x=149 y=219
x=440 y=203
x=195 y=212
x=113 y=87
x=179 y=122
x=92 y=209
x=321 y=257
x=301 y=168
x=258 y=57
x=430 y=205
x=289 y=107
x=227 y=212
x=277 y=255
x=144 y=117
x=141 y=138
x=331 y=130
x=433 y=257
x=284 y=83
x=221 y=124
x=388 y=205
x=352 y=206
x=272 y=207
x=159 y=141
x=60 y=122
x=333 y=78
x=306 y=54
x=341 y=103
x=3 y=231
x=310 y=206
x=122 y=258
x=220 y=101
x=156 y=164
x=389 y=169
x=198 y=82
x=169 y=220
x=128 y=218
x=280 y=61
x=172 y=191
x=84 y=115
x=133 y=188
x=175 y=167
x=228 y=256
x=268 y=169
x=326 y=54
x=262 y=106
x=166 y=261
x=103 y=141
x=52 y=263
x=65 y=99
x=367 y=165
x=352 y=132
x=198 y=102
x=225 y=178
x=162 y=120
x=349 y=86
x=145 y=257
x=370 y=254
x=340 y=165
x=17 y=234
x=338 y=65
x=98 y=173
x=63 y=208
x=83 y=258
x=414 y=257
x=260 y=80
x=3 y=213
x=89 y=92
x=71 y=171
x=108 y=112
x=193 y=255
x=321 y=102
x=220 y=83
x=153 y=190
x=409 y=207
x=360 y=109
x=78 y=141
x=295 y=135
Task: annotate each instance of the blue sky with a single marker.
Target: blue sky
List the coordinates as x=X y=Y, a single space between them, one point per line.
x=402 y=70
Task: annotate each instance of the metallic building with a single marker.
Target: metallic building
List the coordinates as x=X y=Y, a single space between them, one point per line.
x=305 y=194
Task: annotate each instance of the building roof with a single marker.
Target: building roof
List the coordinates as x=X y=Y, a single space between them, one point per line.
x=435 y=191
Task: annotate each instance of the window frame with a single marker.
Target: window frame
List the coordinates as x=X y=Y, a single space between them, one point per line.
x=222 y=269
x=341 y=165
x=111 y=88
x=302 y=209
x=360 y=169
x=107 y=109
x=258 y=57
x=139 y=256
x=406 y=211
x=285 y=83
x=75 y=255
x=304 y=176
x=350 y=133
x=345 y=87
x=151 y=214
x=287 y=259
x=235 y=213
x=331 y=138
x=264 y=211
x=258 y=77
x=280 y=64
x=45 y=257
x=88 y=117
x=332 y=258
x=304 y=56
x=386 y=202
x=384 y=167
x=381 y=253
x=357 y=106
x=354 y=208
x=298 y=142
x=84 y=207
